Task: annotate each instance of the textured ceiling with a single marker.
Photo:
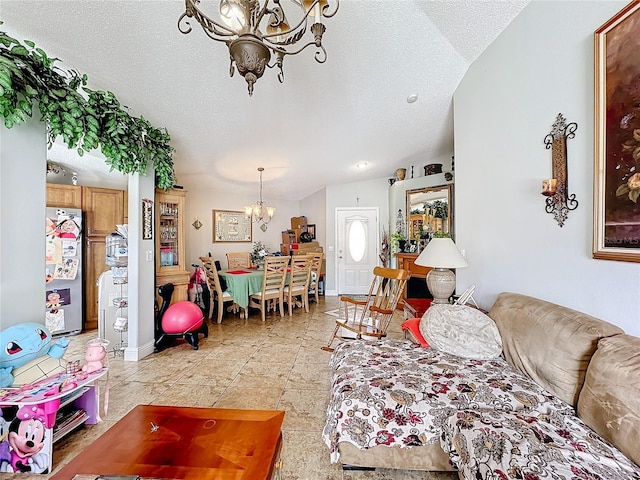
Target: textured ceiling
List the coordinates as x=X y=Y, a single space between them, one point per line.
x=310 y=131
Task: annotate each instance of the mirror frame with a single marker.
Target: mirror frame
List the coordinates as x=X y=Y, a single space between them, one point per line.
x=447 y=189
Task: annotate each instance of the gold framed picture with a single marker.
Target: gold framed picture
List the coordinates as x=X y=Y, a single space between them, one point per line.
x=231 y=226
x=616 y=225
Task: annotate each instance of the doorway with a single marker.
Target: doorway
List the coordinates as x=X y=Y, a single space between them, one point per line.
x=357 y=241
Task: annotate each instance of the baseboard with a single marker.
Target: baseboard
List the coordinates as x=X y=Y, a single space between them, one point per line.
x=357 y=468
x=134 y=354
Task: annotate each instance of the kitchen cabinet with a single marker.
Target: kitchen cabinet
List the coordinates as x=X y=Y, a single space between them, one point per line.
x=65 y=196
x=103 y=209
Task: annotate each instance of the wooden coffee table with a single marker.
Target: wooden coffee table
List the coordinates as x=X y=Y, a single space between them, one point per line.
x=185 y=443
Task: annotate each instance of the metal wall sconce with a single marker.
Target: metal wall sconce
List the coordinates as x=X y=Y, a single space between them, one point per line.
x=197 y=224
x=556 y=189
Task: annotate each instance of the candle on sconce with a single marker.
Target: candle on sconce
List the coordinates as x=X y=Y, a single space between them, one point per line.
x=550 y=186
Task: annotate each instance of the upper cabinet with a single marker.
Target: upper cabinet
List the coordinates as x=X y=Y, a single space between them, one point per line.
x=64 y=196
x=103 y=209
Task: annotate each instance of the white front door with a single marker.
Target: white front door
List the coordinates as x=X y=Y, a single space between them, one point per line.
x=357 y=249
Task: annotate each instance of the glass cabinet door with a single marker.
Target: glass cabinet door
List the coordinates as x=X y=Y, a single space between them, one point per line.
x=168 y=227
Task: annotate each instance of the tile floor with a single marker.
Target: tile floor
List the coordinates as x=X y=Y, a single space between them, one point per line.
x=248 y=364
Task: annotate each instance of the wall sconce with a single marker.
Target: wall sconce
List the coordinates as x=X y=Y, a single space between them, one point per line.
x=197 y=224
x=556 y=189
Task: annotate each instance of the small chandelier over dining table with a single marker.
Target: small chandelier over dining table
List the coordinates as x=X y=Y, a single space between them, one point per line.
x=250 y=47
x=259 y=212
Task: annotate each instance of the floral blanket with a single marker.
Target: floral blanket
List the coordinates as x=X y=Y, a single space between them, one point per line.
x=396 y=393
x=487 y=445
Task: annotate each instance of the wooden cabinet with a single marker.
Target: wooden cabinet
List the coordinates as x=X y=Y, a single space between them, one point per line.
x=416 y=287
x=65 y=196
x=103 y=209
x=170 y=249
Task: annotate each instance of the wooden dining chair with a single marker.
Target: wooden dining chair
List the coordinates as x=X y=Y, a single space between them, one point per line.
x=298 y=286
x=316 y=267
x=275 y=273
x=238 y=260
x=370 y=317
x=216 y=295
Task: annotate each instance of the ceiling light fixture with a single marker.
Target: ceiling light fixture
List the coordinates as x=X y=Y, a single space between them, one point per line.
x=259 y=212
x=249 y=46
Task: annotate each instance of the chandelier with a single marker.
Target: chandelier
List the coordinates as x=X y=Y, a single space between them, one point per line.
x=250 y=47
x=259 y=212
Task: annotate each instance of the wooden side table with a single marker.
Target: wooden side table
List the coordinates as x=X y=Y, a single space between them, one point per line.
x=415 y=307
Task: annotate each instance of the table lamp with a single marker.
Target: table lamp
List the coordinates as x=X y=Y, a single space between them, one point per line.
x=441 y=254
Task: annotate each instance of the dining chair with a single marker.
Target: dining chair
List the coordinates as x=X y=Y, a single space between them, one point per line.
x=238 y=260
x=370 y=317
x=216 y=295
x=275 y=273
x=316 y=267
x=298 y=285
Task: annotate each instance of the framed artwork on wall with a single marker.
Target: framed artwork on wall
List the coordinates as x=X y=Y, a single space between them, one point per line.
x=231 y=226
x=616 y=224
x=311 y=230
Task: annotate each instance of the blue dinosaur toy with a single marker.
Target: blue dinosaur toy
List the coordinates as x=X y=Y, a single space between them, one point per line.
x=26 y=345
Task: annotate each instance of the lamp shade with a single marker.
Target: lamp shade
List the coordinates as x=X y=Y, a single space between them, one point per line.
x=441 y=253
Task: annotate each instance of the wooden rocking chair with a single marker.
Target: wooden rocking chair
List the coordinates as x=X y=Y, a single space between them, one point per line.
x=370 y=317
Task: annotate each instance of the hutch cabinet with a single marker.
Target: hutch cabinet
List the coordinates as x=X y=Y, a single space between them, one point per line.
x=170 y=247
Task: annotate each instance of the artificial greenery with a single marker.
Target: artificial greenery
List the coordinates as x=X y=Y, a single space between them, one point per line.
x=440 y=234
x=85 y=119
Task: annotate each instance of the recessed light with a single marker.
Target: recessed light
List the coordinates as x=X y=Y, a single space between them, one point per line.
x=412 y=98
x=362 y=165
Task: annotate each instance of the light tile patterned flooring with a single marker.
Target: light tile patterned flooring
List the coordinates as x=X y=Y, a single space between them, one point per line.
x=248 y=364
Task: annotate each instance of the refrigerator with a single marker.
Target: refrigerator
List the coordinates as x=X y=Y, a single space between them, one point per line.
x=63 y=300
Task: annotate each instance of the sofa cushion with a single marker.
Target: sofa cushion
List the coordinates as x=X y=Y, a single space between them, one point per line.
x=496 y=444
x=461 y=330
x=610 y=400
x=550 y=343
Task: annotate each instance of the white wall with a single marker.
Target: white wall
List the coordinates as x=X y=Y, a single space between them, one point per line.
x=542 y=65
x=314 y=207
x=200 y=204
x=141 y=270
x=368 y=193
x=23 y=153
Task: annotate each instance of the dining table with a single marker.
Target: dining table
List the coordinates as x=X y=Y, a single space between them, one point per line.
x=242 y=283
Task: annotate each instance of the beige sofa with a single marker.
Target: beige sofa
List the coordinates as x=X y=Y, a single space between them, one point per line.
x=560 y=367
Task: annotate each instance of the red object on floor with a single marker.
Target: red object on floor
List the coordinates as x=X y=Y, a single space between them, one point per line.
x=413 y=326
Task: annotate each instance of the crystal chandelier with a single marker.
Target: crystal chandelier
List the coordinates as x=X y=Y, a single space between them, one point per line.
x=250 y=47
x=259 y=212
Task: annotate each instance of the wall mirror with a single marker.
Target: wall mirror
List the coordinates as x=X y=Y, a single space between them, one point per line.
x=428 y=210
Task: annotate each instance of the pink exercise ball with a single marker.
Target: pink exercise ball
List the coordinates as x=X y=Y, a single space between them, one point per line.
x=182 y=317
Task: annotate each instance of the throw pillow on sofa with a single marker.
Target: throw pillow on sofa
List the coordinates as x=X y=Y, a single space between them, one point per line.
x=461 y=330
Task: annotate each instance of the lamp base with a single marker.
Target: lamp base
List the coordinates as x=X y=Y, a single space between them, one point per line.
x=441 y=283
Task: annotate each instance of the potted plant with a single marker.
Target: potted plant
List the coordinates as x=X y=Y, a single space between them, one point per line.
x=398 y=241
x=258 y=254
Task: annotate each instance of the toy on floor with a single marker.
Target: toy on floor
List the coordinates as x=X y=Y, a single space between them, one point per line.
x=27 y=354
x=96 y=353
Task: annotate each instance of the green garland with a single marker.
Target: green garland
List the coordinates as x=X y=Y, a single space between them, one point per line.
x=86 y=119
